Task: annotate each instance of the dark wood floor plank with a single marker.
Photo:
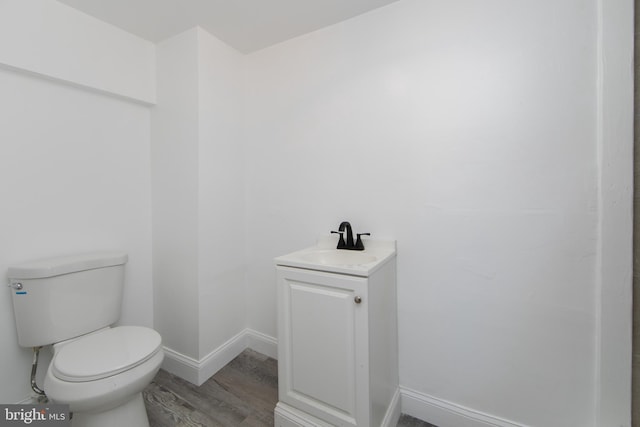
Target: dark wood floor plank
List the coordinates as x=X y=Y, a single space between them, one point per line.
x=165 y=408
x=242 y=394
x=211 y=400
x=408 y=421
x=259 y=395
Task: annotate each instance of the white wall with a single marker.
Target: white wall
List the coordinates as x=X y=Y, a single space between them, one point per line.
x=221 y=216
x=174 y=158
x=615 y=265
x=466 y=130
x=75 y=162
x=54 y=40
x=76 y=178
x=198 y=198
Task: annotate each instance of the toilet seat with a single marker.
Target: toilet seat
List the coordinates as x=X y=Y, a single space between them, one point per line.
x=105 y=353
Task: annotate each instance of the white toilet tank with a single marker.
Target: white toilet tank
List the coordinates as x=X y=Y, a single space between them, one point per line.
x=56 y=299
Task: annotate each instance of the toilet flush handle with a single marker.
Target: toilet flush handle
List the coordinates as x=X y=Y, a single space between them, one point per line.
x=17 y=286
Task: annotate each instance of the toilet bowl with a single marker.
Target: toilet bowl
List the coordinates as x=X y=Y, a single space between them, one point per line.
x=71 y=302
x=101 y=375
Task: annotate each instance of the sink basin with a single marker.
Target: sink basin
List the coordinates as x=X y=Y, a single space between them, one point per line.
x=338 y=257
x=325 y=257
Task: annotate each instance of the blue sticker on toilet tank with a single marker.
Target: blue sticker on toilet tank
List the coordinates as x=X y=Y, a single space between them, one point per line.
x=21 y=293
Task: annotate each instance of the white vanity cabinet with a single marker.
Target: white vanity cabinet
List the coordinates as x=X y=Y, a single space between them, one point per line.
x=337 y=345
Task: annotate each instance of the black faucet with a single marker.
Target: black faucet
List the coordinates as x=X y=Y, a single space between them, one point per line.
x=345 y=227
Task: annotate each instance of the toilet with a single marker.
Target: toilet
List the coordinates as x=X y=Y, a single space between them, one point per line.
x=97 y=369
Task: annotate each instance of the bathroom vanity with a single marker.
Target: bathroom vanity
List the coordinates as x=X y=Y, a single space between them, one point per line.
x=337 y=336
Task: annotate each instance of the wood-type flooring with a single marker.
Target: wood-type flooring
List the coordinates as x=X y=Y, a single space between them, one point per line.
x=242 y=394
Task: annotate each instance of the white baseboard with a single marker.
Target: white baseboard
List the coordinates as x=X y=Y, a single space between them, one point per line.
x=30 y=400
x=393 y=412
x=262 y=343
x=180 y=365
x=219 y=357
x=446 y=414
x=199 y=371
x=288 y=416
x=411 y=402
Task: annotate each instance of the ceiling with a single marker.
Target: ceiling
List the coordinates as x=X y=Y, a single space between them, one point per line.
x=247 y=25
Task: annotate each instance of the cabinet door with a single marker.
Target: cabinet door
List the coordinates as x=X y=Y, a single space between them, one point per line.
x=322 y=345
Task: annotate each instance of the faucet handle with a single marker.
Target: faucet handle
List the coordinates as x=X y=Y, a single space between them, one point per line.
x=359 y=244
x=341 y=242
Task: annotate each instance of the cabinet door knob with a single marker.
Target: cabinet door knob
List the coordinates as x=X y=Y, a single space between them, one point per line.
x=357 y=299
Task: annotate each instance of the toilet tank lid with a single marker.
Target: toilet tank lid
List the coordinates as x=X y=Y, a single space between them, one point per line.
x=49 y=267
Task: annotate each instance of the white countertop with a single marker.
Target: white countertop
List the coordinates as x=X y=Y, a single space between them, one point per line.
x=325 y=257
